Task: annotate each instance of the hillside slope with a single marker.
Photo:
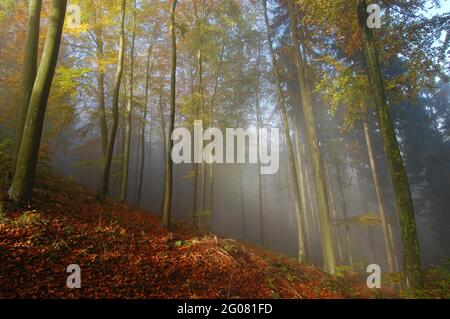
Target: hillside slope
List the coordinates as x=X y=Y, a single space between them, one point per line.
x=125 y=253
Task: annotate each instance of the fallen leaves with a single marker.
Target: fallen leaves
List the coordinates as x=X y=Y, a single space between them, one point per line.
x=125 y=253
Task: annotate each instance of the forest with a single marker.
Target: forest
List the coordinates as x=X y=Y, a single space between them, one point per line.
x=222 y=149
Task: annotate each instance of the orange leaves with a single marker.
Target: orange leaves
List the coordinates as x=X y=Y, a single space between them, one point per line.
x=124 y=253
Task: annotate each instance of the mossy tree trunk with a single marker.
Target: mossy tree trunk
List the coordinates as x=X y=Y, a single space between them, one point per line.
x=403 y=198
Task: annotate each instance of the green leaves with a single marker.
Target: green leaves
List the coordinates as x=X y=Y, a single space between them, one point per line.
x=182 y=243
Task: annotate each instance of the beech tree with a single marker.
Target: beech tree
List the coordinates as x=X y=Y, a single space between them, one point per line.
x=168 y=184
x=22 y=186
x=104 y=181
x=29 y=68
x=404 y=203
x=308 y=110
x=287 y=135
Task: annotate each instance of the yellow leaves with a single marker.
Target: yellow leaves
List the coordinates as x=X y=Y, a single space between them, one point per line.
x=345 y=87
x=67 y=79
x=76 y=30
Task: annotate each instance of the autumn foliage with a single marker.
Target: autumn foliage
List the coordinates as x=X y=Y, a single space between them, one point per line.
x=125 y=253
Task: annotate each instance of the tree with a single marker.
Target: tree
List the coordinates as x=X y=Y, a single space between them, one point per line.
x=149 y=69
x=104 y=181
x=258 y=135
x=168 y=184
x=22 y=186
x=404 y=204
x=129 y=114
x=29 y=68
x=290 y=146
x=376 y=181
x=322 y=198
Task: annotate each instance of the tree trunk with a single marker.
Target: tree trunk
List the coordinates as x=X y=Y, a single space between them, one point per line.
x=336 y=230
x=101 y=91
x=258 y=135
x=169 y=162
x=144 y=123
x=301 y=177
x=212 y=169
x=348 y=234
x=129 y=116
x=212 y=172
x=163 y=130
x=195 y=165
x=29 y=69
x=241 y=202
x=22 y=186
x=322 y=197
x=104 y=182
x=376 y=181
x=403 y=198
x=371 y=244
x=285 y=120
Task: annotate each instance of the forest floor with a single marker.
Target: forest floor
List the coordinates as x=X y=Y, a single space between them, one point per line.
x=125 y=253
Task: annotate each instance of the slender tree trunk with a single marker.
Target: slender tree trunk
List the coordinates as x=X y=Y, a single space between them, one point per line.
x=376 y=181
x=322 y=197
x=336 y=230
x=212 y=172
x=301 y=177
x=144 y=123
x=169 y=162
x=29 y=69
x=195 y=166
x=292 y=163
x=391 y=235
x=365 y=205
x=198 y=113
x=129 y=116
x=258 y=135
x=123 y=134
x=101 y=91
x=150 y=146
x=212 y=169
x=202 y=108
x=241 y=202
x=403 y=198
x=104 y=182
x=194 y=194
x=348 y=234
x=163 y=132
x=22 y=186
x=371 y=244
